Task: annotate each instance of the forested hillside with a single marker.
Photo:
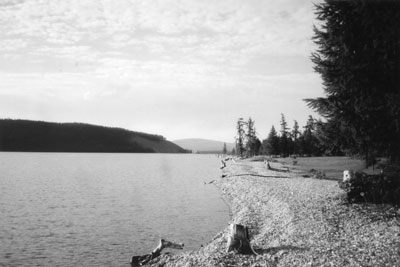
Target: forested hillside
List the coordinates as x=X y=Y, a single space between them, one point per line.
x=40 y=136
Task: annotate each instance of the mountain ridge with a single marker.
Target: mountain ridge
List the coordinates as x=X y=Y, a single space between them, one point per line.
x=41 y=136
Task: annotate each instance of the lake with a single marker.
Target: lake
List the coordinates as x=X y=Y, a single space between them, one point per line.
x=87 y=209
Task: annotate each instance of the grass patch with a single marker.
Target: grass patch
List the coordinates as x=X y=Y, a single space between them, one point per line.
x=333 y=167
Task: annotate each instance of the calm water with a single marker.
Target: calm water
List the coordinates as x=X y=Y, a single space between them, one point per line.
x=67 y=209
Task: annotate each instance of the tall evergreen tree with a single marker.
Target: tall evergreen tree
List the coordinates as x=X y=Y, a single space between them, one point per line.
x=295 y=134
x=224 y=151
x=270 y=145
x=308 y=141
x=329 y=141
x=358 y=57
x=284 y=138
x=257 y=146
x=240 y=137
x=251 y=138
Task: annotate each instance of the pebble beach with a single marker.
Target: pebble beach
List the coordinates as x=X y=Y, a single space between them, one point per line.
x=295 y=221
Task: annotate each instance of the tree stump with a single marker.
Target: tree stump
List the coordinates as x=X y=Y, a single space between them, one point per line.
x=238 y=239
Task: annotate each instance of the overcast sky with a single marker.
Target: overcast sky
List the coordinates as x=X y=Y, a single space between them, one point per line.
x=179 y=68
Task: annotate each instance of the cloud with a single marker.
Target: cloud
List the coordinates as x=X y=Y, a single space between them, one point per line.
x=184 y=62
x=227 y=32
x=13 y=44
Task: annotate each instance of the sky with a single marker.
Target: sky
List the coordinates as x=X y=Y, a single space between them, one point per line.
x=178 y=68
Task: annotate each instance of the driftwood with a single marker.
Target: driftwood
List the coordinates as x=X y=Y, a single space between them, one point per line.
x=223 y=164
x=275 y=169
x=238 y=239
x=143 y=259
x=256 y=175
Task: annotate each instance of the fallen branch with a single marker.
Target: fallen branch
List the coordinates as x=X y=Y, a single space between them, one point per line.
x=257 y=175
x=143 y=259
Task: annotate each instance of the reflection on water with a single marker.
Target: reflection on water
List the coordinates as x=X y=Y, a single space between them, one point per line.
x=67 y=209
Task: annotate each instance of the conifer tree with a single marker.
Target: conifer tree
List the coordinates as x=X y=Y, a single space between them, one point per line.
x=284 y=138
x=358 y=58
x=251 y=138
x=240 y=137
x=271 y=144
x=309 y=142
x=295 y=134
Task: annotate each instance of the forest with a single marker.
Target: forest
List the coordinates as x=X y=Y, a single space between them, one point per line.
x=286 y=141
x=358 y=59
x=40 y=136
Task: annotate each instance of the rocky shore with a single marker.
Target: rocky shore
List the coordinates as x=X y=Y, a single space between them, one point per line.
x=296 y=221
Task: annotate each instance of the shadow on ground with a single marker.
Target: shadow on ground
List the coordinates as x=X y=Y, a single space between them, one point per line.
x=280 y=249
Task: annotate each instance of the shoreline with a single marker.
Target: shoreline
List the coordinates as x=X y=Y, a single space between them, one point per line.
x=296 y=221
x=227 y=204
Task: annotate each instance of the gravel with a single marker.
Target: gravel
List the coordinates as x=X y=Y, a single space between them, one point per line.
x=296 y=221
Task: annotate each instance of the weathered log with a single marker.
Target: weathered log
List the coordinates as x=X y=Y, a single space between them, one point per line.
x=143 y=259
x=238 y=239
x=275 y=169
x=223 y=164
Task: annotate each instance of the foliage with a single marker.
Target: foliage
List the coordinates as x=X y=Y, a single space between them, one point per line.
x=271 y=144
x=25 y=135
x=224 y=151
x=240 y=136
x=295 y=134
x=293 y=141
x=246 y=138
x=358 y=59
x=284 y=138
x=253 y=144
x=379 y=189
x=309 y=142
x=329 y=142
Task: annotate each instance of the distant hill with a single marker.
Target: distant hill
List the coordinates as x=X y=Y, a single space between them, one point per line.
x=203 y=145
x=40 y=136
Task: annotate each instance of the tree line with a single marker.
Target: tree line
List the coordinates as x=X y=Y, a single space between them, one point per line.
x=305 y=141
x=358 y=58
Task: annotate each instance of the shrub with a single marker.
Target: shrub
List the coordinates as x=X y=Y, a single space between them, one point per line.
x=381 y=188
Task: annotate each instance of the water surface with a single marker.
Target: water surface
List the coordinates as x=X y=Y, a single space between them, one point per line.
x=83 y=209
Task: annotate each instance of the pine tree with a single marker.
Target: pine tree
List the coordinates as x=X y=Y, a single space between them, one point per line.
x=251 y=138
x=295 y=134
x=329 y=141
x=224 y=151
x=308 y=141
x=240 y=137
x=257 y=146
x=284 y=138
x=271 y=144
x=358 y=60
